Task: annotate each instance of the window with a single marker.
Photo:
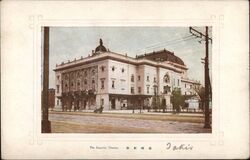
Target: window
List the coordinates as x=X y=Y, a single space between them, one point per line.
x=178 y=82
x=154 y=79
x=132 y=90
x=57 y=102
x=102 y=84
x=93 y=81
x=148 y=78
x=102 y=102
x=57 y=88
x=72 y=84
x=85 y=73
x=93 y=71
x=185 y=85
x=85 y=81
x=166 y=89
x=78 y=83
x=139 y=89
x=66 y=85
x=113 y=68
x=122 y=70
x=155 y=90
x=147 y=89
x=58 y=77
x=113 y=84
x=102 y=68
x=166 y=78
x=139 y=78
x=132 y=78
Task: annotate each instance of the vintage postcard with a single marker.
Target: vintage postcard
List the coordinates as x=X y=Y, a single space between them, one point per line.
x=124 y=79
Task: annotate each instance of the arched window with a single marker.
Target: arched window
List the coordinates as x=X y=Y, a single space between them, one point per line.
x=166 y=78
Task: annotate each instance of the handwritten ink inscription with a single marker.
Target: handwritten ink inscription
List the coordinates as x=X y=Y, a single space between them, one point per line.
x=179 y=147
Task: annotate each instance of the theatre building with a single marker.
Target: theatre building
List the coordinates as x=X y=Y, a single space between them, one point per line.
x=117 y=81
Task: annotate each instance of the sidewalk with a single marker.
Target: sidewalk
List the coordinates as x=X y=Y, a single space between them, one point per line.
x=142 y=112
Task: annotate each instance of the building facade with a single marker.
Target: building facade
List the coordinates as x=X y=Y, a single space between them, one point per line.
x=117 y=81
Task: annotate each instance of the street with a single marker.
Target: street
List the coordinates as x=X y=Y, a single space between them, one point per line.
x=69 y=122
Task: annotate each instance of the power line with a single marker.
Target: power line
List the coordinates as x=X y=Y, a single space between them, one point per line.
x=164 y=43
x=172 y=43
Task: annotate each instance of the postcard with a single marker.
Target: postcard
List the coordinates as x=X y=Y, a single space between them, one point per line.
x=125 y=79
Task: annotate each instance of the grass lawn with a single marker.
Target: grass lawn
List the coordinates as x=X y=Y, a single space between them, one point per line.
x=167 y=117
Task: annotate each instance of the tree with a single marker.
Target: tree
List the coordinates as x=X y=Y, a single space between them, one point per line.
x=201 y=93
x=156 y=102
x=177 y=99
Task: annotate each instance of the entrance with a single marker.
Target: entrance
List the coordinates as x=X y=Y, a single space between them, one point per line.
x=112 y=103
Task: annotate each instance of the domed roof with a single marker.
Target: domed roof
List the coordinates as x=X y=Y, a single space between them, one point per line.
x=163 y=55
x=100 y=48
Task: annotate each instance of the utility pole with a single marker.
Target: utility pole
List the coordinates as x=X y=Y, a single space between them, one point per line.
x=46 y=126
x=208 y=89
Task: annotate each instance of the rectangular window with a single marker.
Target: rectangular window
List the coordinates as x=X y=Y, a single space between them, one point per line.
x=57 y=102
x=57 y=88
x=132 y=90
x=155 y=90
x=113 y=84
x=132 y=78
x=178 y=82
x=185 y=85
x=102 y=84
x=154 y=79
x=139 y=78
x=147 y=89
x=102 y=102
x=148 y=78
x=139 y=89
x=102 y=68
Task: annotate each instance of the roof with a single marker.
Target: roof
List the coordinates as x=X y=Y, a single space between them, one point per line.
x=100 y=48
x=162 y=55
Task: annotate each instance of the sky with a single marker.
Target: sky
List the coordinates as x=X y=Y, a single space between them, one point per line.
x=68 y=43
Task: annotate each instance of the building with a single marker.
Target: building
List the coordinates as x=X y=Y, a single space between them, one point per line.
x=117 y=81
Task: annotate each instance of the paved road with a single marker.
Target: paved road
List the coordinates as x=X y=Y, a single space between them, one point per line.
x=154 y=126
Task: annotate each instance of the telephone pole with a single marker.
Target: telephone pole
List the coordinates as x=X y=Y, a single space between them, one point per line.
x=208 y=89
x=46 y=126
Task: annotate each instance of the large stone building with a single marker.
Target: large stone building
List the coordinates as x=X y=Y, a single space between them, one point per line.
x=117 y=81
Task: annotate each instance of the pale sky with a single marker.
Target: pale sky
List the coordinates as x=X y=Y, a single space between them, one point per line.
x=68 y=43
